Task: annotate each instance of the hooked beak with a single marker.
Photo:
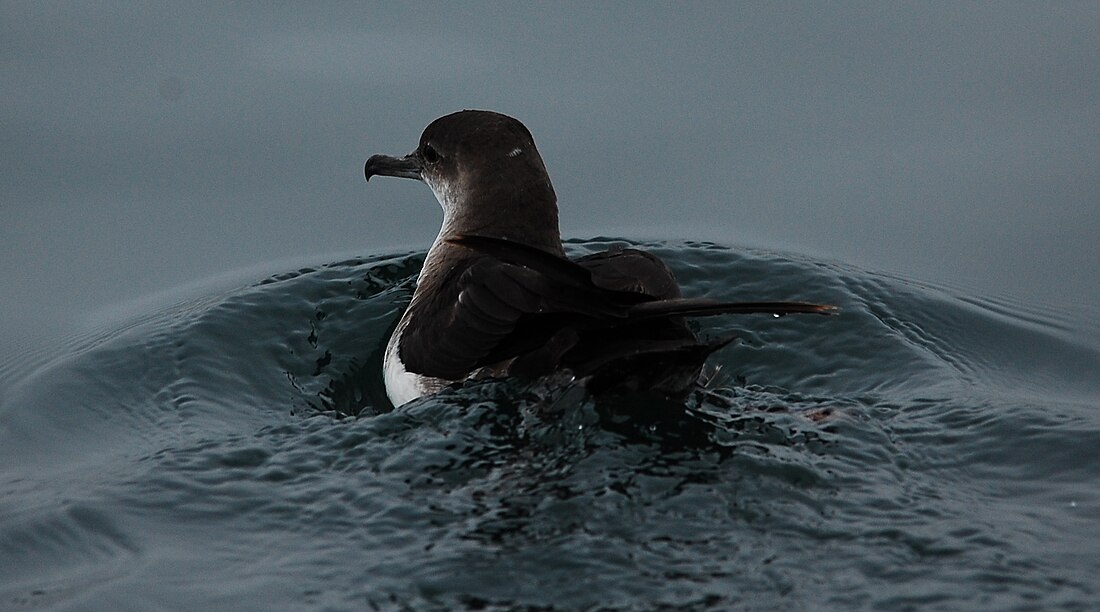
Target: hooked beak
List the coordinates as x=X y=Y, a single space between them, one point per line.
x=401 y=167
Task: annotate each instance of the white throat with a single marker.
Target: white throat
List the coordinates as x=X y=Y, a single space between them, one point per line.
x=403 y=386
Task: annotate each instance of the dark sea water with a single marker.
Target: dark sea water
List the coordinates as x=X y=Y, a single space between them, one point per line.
x=924 y=449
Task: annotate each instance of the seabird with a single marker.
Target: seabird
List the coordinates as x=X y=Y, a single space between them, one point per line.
x=497 y=295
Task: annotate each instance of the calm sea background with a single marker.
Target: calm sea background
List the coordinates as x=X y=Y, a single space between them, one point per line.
x=196 y=279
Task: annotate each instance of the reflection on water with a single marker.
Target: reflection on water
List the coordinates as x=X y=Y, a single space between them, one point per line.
x=920 y=448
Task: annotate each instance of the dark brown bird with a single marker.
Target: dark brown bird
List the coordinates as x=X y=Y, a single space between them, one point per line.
x=498 y=297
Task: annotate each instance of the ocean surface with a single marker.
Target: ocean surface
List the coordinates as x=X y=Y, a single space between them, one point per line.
x=232 y=448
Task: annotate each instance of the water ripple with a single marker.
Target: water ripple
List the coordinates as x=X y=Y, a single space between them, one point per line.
x=923 y=448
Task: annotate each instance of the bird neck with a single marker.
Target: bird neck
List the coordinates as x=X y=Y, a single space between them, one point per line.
x=527 y=214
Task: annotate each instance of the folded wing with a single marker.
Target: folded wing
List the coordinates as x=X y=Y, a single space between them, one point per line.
x=529 y=312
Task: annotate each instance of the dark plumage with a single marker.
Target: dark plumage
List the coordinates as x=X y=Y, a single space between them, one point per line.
x=497 y=296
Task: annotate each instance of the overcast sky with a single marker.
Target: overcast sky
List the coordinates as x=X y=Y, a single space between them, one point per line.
x=148 y=146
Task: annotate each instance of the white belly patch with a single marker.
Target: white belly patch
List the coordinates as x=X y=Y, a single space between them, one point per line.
x=403 y=386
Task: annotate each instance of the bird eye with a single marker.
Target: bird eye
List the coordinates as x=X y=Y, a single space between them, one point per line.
x=429 y=154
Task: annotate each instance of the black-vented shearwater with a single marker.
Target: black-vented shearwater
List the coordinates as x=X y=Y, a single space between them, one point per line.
x=497 y=295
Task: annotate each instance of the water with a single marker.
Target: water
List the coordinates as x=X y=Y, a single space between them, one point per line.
x=925 y=448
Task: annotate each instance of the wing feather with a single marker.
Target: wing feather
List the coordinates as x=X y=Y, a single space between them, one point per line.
x=505 y=300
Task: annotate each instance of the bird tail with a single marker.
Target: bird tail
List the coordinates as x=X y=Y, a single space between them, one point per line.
x=701 y=307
